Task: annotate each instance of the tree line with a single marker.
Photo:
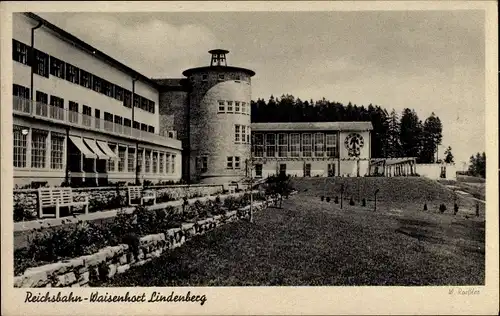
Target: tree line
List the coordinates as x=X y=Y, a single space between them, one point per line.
x=393 y=135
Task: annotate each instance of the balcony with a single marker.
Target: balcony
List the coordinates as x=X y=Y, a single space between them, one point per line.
x=56 y=114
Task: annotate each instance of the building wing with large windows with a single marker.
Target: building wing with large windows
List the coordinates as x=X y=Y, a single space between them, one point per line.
x=323 y=149
x=80 y=116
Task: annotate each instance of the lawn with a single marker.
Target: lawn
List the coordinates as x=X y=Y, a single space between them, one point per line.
x=309 y=242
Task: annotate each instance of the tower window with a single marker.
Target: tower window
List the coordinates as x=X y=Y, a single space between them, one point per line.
x=230 y=106
x=204 y=77
x=221 y=77
x=221 y=106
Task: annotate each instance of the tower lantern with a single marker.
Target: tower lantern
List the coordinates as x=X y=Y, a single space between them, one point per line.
x=218 y=57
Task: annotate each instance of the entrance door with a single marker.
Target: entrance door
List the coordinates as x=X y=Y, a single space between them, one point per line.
x=331 y=170
x=282 y=169
x=307 y=170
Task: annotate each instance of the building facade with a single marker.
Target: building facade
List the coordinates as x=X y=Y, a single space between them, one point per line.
x=80 y=116
x=324 y=149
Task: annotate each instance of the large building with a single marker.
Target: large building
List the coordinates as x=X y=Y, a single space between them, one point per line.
x=82 y=117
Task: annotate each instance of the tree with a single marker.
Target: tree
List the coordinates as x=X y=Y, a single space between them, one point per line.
x=448 y=155
x=410 y=133
x=278 y=186
x=477 y=165
x=431 y=138
x=393 y=140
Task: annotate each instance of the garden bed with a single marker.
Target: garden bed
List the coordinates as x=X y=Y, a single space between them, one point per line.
x=48 y=246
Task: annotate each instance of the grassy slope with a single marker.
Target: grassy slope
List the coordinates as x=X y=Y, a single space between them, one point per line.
x=309 y=242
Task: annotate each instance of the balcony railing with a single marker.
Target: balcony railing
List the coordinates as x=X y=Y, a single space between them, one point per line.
x=38 y=109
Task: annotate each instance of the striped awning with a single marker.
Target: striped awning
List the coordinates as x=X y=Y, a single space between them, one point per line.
x=105 y=148
x=92 y=144
x=78 y=141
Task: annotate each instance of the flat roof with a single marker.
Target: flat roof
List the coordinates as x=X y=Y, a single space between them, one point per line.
x=313 y=126
x=90 y=49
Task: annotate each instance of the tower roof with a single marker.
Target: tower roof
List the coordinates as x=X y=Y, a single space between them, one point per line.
x=218 y=63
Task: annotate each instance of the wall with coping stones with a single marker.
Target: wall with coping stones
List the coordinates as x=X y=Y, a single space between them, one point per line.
x=113 y=260
x=27 y=199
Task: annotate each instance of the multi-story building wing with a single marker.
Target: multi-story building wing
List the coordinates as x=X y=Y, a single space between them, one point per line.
x=80 y=115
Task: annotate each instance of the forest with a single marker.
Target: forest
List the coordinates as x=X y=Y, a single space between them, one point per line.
x=394 y=134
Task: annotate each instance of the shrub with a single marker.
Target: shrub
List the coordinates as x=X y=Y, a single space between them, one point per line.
x=477 y=209
x=322 y=198
x=455 y=209
x=364 y=202
x=351 y=202
x=336 y=200
x=425 y=206
x=328 y=199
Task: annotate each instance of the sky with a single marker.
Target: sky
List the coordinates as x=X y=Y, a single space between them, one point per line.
x=429 y=61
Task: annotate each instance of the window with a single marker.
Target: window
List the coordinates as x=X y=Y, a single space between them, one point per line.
x=41 y=65
x=294 y=145
x=131 y=159
x=203 y=164
x=230 y=106
x=248 y=134
x=270 y=145
x=118 y=120
x=72 y=73
x=283 y=168
x=258 y=145
x=108 y=117
x=97 y=113
x=97 y=84
x=20 y=91
x=87 y=114
x=162 y=157
x=144 y=127
x=111 y=162
x=237 y=107
x=56 y=67
x=237 y=133
x=167 y=164
x=87 y=110
x=56 y=101
x=331 y=145
x=147 y=164
x=173 y=164
x=258 y=170
x=220 y=77
x=137 y=125
x=127 y=98
x=85 y=79
x=229 y=162
x=38 y=148
x=236 y=162
x=282 y=145
x=155 y=162
x=122 y=151
x=73 y=112
x=57 y=150
x=108 y=121
x=151 y=129
x=319 y=144
x=127 y=122
x=144 y=104
x=221 y=106
x=306 y=145
x=20 y=146
x=108 y=88
x=20 y=52
x=243 y=107
x=97 y=118
x=42 y=97
x=151 y=108
x=204 y=77
x=243 y=133
x=139 y=159
x=118 y=93
x=137 y=100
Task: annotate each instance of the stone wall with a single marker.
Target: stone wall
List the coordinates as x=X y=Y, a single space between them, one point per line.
x=110 y=261
x=106 y=198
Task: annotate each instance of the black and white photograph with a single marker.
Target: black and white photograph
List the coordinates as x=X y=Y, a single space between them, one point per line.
x=239 y=148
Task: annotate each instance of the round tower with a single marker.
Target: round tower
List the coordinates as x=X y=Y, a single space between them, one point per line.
x=219 y=120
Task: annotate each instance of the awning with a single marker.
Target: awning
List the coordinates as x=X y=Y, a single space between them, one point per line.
x=81 y=146
x=92 y=144
x=105 y=148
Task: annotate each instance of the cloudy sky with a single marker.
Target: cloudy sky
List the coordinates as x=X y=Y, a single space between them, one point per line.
x=430 y=61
